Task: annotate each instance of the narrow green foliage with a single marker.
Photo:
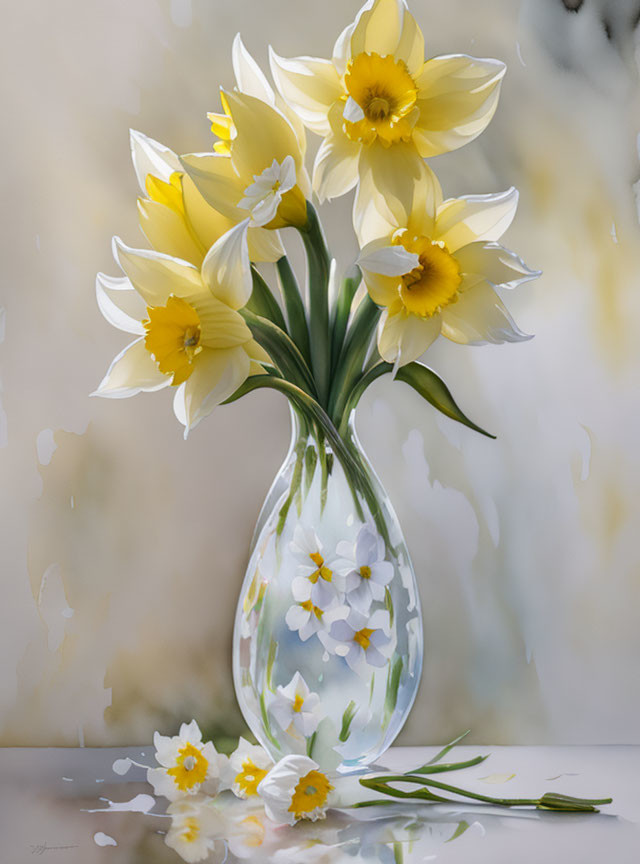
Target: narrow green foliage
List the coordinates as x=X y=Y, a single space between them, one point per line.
x=263 y=303
x=271 y=659
x=319 y=265
x=310 y=744
x=347 y=718
x=294 y=306
x=391 y=696
x=265 y=721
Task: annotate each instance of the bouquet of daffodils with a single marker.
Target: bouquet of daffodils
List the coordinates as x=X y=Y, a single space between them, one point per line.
x=205 y=321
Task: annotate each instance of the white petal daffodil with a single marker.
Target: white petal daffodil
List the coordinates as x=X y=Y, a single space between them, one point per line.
x=437 y=270
x=174 y=216
x=379 y=106
x=315 y=568
x=248 y=763
x=363 y=571
x=296 y=706
x=189 y=334
x=263 y=177
x=305 y=615
x=197 y=830
x=360 y=639
x=187 y=765
x=295 y=789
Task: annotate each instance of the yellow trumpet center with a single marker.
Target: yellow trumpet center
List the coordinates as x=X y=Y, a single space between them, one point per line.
x=308 y=606
x=298 y=703
x=311 y=792
x=191 y=830
x=322 y=572
x=386 y=93
x=365 y=572
x=190 y=769
x=363 y=637
x=249 y=778
x=173 y=337
x=434 y=282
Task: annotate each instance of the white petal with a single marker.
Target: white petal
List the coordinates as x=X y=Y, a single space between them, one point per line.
x=301 y=589
x=249 y=76
x=390 y=176
x=387 y=260
x=226 y=269
x=378 y=27
x=296 y=617
x=113 y=313
x=352 y=111
x=479 y=316
x=402 y=338
x=309 y=86
x=131 y=372
x=217 y=373
x=335 y=169
x=216 y=181
x=475 y=217
x=151 y=157
x=495 y=263
x=156 y=276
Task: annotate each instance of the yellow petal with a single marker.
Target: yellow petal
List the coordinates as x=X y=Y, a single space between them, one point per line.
x=216 y=181
x=216 y=375
x=264 y=245
x=378 y=28
x=221 y=326
x=156 y=276
x=479 y=316
x=226 y=269
x=410 y=46
x=167 y=231
x=335 y=170
x=390 y=176
x=493 y=262
x=309 y=86
x=151 y=157
x=132 y=371
x=206 y=223
x=403 y=337
x=475 y=217
x=457 y=98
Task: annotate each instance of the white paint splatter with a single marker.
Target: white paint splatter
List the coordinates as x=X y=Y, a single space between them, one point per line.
x=68 y=779
x=139 y=804
x=121 y=766
x=101 y=839
x=46 y=446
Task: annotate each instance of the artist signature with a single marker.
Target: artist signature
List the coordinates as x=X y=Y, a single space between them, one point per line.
x=41 y=848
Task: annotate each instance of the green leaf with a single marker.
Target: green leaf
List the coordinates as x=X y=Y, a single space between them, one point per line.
x=347 y=717
x=310 y=462
x=462 y=827
x=391 y=696
x=447 y=748
x=265 y=721
x=263 y=303
x=388 y=603
x=319 y=265
x=341 y=313
x=310 y=744
x=432 y=388
x=273 y=650
x=296 y=314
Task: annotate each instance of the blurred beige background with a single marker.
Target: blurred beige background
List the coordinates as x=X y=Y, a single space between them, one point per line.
x=122 y=547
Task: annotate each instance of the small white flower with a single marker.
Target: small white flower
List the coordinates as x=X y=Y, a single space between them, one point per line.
x=305 y=616
x=248 y=764
x=188 y=765
x=264 y=195
x=314 y=567
x=197 y=830
x=295 y=789
x=359 y=638
x=296 y=705
x=363 y=571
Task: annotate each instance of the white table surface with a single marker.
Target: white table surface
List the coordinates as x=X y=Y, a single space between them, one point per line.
x=42 y=814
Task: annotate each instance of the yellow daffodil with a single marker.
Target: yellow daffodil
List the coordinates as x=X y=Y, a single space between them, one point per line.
x=436 y=271
x=188 y=331
x=174 y=216
x=379 y=106
x=263 y=178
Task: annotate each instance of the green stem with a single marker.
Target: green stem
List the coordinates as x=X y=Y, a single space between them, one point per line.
x=349 y=368
x=341 y=314
x=295 y=307
x=263 y=303
x=319 y=263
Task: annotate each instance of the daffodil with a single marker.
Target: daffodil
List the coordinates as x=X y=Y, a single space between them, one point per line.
x=363 y=570
x=360 y=639
x=436 y=272
x=248 y=764
x=174 y=216
x=197 y=830
x=305 y=615
x=187 y=764
x=295 y=789
x=188 y=331
x=263 y=178
x=380 y=107
x=295 y=706
x=315 y=568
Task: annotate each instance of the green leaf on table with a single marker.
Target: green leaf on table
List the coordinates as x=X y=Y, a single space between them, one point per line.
x=497 y=778
x=448 y=747
x=432 y=388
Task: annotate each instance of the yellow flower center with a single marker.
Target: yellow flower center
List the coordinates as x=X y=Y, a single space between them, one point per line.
x=363 y=637
x=386 y=93
x=249 y=778
x=190 y=769
x=311 y=792
x=169 y=194
x=434 y=282
x=322 y=572
x=255 y=832
x=191 y=830
x=365 y=572
x=298 y=703
x=308 y=606
x=173 y=337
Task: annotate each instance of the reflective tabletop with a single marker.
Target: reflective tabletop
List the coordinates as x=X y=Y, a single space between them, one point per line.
x=69 y=805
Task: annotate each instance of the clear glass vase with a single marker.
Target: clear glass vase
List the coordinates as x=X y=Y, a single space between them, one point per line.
x=327 y=649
